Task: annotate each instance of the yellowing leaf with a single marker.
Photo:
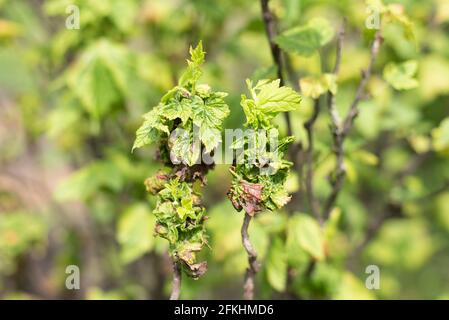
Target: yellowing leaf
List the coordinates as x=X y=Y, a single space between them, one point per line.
x=307 y=235
x=331 y=225
x=440 y=137
x=400 y=76
x=276 y=265
x=433 y=77
x=315 y=86
x=365 y=157
x=402 y=243
x=352 y=288
x=135 y=232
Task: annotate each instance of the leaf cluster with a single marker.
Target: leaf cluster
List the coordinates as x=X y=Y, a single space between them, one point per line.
x=186 y=123
x=261 y=170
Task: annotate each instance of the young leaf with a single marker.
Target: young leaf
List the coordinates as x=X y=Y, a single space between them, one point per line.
x=151 y=129
x=193 y=71
x=268 y=99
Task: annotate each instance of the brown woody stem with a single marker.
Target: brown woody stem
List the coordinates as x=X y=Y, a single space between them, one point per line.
x=341 y=128
x=253 y=267
x=176 y=286
x=271 y=30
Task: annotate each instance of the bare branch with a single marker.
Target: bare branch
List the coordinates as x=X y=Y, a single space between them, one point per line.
x=253 y=268
x=309 y=125
x=341 y=37
x=271 y=30
x=366 y=74
x=176 y=286
x=340 y=128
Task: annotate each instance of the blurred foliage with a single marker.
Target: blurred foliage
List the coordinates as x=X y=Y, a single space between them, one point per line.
x=71 y=192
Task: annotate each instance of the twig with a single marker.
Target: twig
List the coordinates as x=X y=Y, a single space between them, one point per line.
x=340 y=128
x=366 y=74
x=176 y=287
x=314 y=206
x=271 y=30
x=253 y=267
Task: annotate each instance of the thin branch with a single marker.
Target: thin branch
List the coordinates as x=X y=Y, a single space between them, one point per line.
x=271 y=30
x=340 y=128
x=176 y=286
x=336 y=133
x=366 y=74
x=340 y=39
x=253 y=267
x=309 y=125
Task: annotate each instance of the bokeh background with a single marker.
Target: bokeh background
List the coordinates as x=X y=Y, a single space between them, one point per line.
x=71 y=192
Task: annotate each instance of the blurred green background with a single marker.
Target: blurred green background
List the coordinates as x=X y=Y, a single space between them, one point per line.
x=71 y=192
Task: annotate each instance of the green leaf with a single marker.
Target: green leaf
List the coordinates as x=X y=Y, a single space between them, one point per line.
x=307 y=235
x=268 y=99
x=151 y=129
x=183 y=147
x=135 y=232
x=276 y=265
x=211 y=112
x=306 y=40
x=400 y=76
x=186 y=209
x=403 y=243
x=99 y=79
x=178 y=109
x=208 y=116
x=273 y=99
